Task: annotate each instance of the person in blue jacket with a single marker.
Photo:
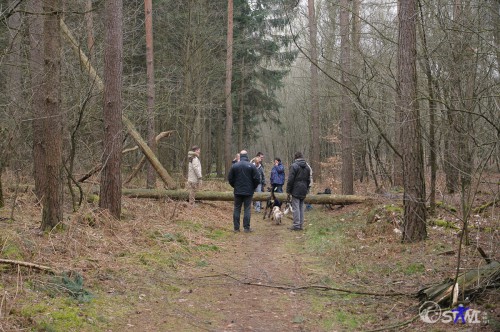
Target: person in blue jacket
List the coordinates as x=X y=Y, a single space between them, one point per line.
x=277 y=176
x=244 y=178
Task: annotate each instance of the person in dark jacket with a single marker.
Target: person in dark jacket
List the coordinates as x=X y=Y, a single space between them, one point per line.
x=277 y=176
x=297 y=186
x=244 y=178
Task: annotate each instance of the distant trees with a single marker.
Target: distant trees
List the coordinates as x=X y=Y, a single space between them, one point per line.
x=262 y=56
x=13 y=88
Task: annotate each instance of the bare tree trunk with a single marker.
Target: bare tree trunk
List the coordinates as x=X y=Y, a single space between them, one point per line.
x=495 y=6
x=397 y=160
x=187 y=86
x=219 y=146
x=329 y=146
x=241 y=108
x=52 y=122
x=227 y=94
x=110 y=192
x=148 y=8
x=345 y=54
x=451 y=148
x=432 y=117
x=465 y=57
x=12 y=88
x=315 y=125
x=89 y=18
x=359 y=139
x=36 y=71
x=2 y=201
x=414 y=226
x=14 y=60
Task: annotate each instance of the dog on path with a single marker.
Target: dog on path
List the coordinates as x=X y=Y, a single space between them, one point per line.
x=271 y=203
x=277 y=215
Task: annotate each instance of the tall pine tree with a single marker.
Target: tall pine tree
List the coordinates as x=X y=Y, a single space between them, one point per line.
x=262 y=57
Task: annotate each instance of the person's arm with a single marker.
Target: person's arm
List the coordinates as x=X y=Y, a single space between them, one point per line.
x=197 y=168
x=291 y=180
x=256 y=177
x=309 y=185
x=280 y=169
x=230 y=177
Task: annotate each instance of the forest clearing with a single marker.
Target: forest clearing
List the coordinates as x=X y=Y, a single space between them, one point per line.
x=167 y=266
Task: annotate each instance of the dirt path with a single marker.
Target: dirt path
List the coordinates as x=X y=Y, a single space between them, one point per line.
x=235 y=291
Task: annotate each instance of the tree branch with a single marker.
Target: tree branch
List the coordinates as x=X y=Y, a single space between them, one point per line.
x=28 y=264
x=306 y=287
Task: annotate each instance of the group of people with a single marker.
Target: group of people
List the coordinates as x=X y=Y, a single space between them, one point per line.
x=277 y=178
x=247 y=177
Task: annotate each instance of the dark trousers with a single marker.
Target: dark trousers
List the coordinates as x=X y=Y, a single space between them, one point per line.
x=278 y=188
x=240 y=200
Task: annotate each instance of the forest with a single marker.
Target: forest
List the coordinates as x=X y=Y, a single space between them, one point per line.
x=394 y=104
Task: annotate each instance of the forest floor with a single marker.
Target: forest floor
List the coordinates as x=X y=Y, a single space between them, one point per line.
x=170 y=267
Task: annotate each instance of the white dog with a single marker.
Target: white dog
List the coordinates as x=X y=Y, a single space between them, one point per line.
x=288 y=209
x=277 y=215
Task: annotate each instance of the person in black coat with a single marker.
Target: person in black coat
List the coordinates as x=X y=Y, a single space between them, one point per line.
x=298 y=184
x=244 y=178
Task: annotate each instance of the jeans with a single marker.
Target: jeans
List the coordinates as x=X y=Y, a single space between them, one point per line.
x=240 y=200
x=298 y=212
x=257 y=204
x=192 y=187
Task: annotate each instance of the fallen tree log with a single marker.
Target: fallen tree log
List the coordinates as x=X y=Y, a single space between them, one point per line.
x=85 y=62
x=228 y=196
x=469 y=283
x=162 y=172
x=29 y=265
x=141 y=163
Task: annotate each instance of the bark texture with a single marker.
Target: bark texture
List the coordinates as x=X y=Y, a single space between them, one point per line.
x=148 y=8
x=229 y=196
x=346 y=108
x=110 y=195
x=414 y=226
x=315 y=125
x=228 y=139
x=52 y=119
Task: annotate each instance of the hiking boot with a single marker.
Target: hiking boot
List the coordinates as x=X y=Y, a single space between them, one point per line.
x=236 y=231
x=248 y=230
x=294 y=228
